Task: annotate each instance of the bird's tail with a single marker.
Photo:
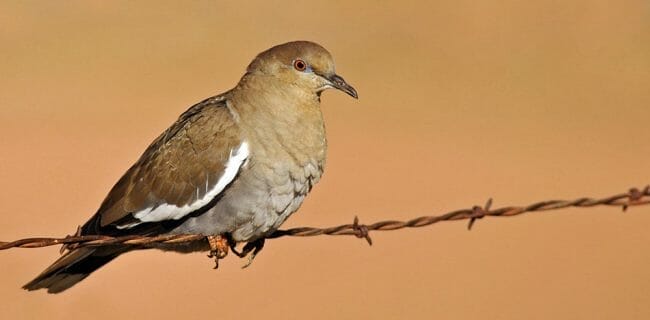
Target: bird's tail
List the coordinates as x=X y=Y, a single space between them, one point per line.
x=71 y=268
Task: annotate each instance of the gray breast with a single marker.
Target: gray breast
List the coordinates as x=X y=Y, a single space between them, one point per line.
x=286 y=188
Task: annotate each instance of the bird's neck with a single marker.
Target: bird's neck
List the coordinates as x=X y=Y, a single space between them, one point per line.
x=284 y=117
x=268 y=87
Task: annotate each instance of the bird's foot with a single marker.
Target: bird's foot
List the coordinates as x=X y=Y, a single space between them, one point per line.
x=218 y=248
x=254 y=246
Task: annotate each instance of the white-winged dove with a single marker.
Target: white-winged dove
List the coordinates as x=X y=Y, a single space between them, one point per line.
x=233 y=167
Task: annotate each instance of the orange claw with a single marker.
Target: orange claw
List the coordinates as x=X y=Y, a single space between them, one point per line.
x=218 y=248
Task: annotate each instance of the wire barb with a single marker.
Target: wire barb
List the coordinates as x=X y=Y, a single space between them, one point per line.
x=634 y=197
x=479 y=213
x=361 y=230
x=70 y=246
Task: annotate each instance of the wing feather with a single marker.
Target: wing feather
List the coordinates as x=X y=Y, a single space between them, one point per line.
x=180 y=172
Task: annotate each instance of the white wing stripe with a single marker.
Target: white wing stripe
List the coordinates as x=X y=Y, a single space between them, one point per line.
x=173 y=212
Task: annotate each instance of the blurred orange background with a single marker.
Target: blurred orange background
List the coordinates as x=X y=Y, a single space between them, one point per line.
x=459 y=101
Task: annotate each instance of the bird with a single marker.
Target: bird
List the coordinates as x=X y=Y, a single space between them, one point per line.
x=233 y=167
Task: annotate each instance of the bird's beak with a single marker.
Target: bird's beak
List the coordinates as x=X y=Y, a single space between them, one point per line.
x=339 y=83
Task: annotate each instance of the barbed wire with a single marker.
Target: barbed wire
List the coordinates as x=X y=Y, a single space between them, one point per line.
x=633 y=197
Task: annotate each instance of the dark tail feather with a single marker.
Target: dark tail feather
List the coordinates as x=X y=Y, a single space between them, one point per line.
x=71 y=268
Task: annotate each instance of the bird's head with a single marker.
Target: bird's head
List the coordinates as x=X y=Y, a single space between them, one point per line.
x=304 y=64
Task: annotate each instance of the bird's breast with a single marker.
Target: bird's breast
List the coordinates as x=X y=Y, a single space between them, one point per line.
x=288 y=148
x=288 y=158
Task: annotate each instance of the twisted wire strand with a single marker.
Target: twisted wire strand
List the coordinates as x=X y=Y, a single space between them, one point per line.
x=634 y=197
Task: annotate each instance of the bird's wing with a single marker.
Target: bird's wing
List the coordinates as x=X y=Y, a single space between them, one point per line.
x=182 y=171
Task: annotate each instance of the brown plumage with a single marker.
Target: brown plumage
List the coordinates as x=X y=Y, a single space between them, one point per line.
x=237 y=164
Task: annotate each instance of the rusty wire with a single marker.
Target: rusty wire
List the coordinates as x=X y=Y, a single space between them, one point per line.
x=633 y=197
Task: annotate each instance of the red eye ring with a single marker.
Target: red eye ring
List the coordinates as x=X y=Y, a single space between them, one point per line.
x=299 y=65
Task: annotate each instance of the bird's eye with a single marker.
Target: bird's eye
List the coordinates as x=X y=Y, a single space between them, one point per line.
x=299 y=65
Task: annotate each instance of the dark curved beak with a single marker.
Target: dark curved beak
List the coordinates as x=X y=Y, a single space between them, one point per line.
x=339 y=83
